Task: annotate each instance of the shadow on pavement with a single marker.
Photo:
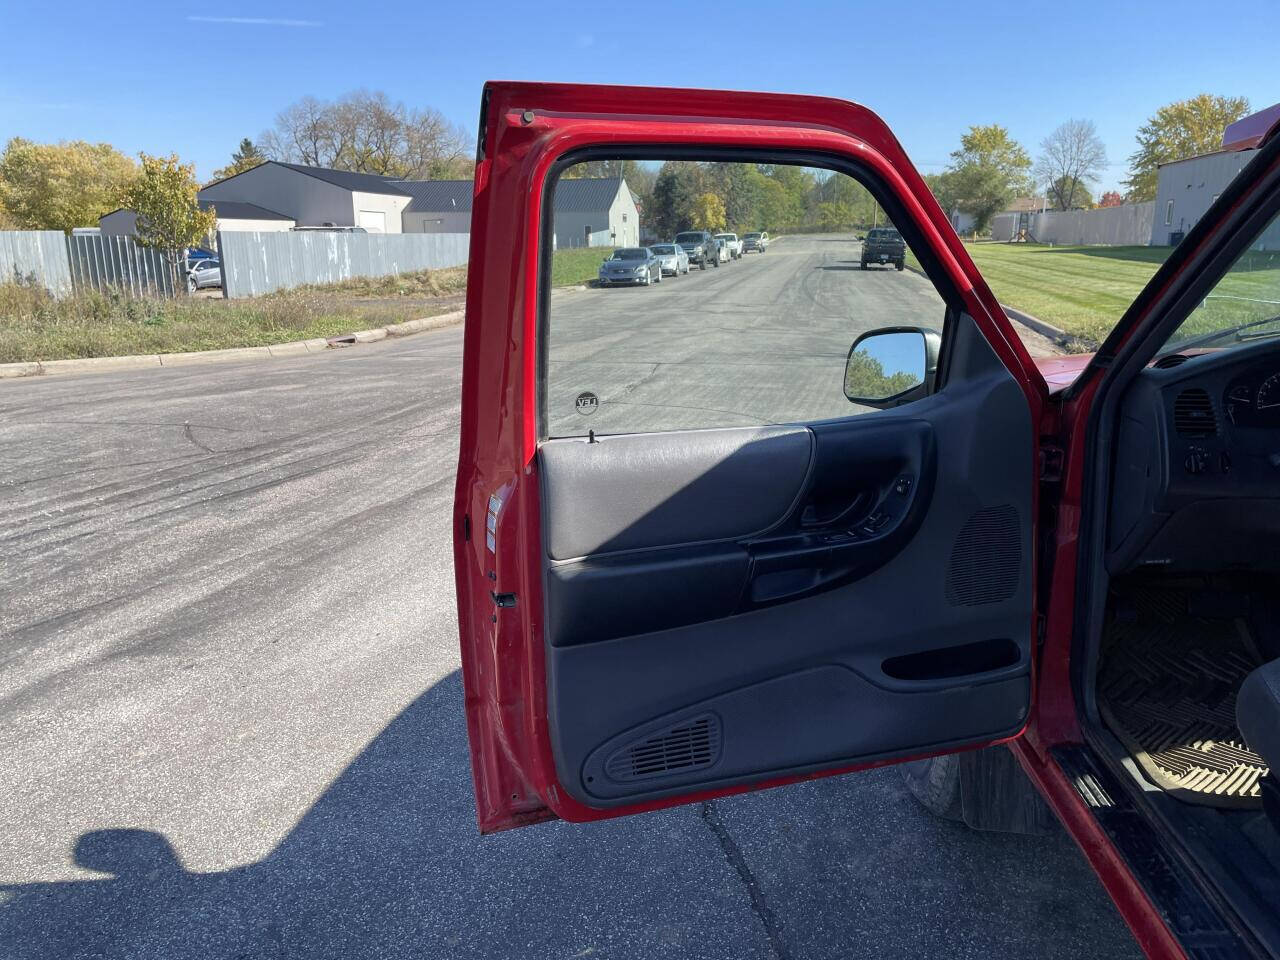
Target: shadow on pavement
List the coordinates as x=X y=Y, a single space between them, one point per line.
x=388 y=863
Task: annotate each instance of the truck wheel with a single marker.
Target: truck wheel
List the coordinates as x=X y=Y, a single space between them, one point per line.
x=702 y=264
x=984 y=789
x=900 y=265
x=864 y=264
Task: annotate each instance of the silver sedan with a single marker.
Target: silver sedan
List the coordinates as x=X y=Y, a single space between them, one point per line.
x=672 y=258
x=630 y=265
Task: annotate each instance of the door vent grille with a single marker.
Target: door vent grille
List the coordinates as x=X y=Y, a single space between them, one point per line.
x=986 y=559
x=1193 y=414
x=688 y=745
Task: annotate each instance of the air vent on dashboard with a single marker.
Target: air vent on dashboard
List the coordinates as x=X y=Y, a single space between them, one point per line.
x=986 y=559
x=688 y=745
x=1193 y=414
x=1171 y=360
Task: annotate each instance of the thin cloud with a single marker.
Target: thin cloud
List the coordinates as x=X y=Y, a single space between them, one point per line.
x=258 y=21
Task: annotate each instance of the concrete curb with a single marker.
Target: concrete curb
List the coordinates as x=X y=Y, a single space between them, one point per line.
x=1056 y=334
x=295 y=348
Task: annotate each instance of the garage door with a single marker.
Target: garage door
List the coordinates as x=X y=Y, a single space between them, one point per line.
x=375 y=221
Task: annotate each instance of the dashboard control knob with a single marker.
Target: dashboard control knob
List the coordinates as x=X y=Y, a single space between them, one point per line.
x=1196 y=462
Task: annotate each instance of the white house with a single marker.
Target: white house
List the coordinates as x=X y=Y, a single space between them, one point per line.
x=316 y=196
x=595 y=213
x=232 y=215
x=589 y=212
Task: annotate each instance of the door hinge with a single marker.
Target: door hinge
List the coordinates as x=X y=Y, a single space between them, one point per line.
x=1052 y=458
x=503 y=599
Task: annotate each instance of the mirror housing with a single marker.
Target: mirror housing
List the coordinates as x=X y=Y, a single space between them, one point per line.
x=890 y=366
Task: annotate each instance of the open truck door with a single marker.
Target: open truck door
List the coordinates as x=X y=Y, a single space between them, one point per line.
x=661 y=614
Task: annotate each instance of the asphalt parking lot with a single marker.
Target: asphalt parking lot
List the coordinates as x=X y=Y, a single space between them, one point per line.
x=232 y=712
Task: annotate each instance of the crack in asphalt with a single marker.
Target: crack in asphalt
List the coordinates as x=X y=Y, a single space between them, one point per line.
x=733 y=854
x=186 y=432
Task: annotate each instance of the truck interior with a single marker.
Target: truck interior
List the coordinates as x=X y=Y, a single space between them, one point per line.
x=1180 y=622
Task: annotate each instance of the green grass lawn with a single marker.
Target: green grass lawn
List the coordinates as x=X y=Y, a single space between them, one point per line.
x=36 y=326
x=1082 y=290
x=572 y=268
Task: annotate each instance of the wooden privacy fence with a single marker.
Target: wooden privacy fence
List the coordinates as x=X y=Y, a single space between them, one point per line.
x=257 y=263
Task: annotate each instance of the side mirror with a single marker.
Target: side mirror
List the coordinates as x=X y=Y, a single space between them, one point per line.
x=891 y=366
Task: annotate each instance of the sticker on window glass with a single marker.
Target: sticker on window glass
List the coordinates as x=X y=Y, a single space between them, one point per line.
x=587 y=403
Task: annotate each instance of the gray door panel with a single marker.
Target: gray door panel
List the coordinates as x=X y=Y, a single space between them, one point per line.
x=724 y=621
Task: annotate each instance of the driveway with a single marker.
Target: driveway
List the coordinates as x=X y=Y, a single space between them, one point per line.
x=231 y=707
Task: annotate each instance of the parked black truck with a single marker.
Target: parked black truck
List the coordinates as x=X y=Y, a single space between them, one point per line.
x=884 y=245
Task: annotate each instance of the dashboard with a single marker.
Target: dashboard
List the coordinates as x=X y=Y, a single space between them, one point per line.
x=1196 y=465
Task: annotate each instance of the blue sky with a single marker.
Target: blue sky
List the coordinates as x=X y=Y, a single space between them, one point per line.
x=157 y=77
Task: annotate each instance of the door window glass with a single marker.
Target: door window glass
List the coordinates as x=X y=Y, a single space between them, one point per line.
x=655 y=341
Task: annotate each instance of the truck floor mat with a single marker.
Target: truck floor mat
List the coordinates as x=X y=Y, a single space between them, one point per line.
x=1167 y=685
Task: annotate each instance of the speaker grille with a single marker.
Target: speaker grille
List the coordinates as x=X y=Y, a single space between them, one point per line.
x=986 y=559
x=688 y=745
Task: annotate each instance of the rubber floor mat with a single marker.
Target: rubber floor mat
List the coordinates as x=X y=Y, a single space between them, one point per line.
x=1167 y=686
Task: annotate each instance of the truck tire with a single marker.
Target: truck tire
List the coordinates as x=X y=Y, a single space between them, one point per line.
x=984 y=789
x=900 y=265
x=864 y=264
x=702 y=264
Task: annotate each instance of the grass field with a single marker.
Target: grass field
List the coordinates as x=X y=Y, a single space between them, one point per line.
x=1082 y=290
x=571 y=268
x=35 y=326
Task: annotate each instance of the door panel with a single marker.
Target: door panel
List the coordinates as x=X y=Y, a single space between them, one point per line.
x=667 y=673
x=659 y=619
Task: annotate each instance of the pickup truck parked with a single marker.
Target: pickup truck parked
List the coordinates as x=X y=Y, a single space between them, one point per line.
x=731 y=241
x=759 y=242
x=884 y=245
x=701 y=247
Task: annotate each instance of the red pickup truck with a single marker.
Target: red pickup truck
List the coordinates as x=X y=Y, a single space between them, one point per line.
x=1077 y=572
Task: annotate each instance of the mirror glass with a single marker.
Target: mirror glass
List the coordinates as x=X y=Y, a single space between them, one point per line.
x=884 y=365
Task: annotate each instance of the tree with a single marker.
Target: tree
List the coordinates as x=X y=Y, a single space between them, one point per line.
x=1073 y=156
x=944 y=191
x=246 y=157
x=987 y=172
x=708 y=212
x=369 y=133
x=1111 y=198
x=169 y=218
x=1178 y=130
x=1063 y=195
x=57 y=186
x=678 y=185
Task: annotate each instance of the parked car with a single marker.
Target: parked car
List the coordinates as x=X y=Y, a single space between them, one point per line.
x=731 y=241
x=758 y=242
x=884 y=245
x=204 y=273
x=700 y=247
x=1063 y=572
x=672 y=258
x=631 y=265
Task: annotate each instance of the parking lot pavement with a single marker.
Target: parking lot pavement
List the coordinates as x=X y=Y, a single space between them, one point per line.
x=232 y=717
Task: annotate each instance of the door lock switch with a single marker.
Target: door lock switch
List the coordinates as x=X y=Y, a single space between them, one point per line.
x=902 y=486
